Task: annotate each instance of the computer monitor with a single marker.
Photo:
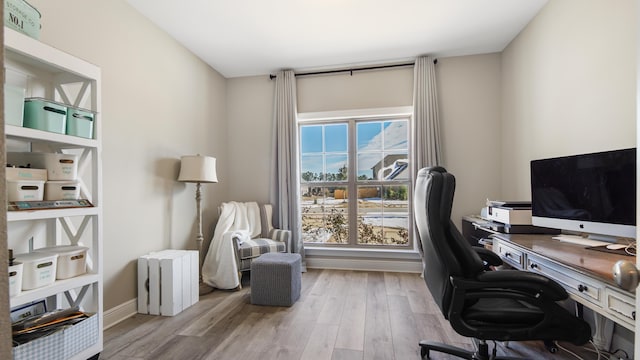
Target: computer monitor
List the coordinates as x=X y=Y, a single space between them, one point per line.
x=589 y=193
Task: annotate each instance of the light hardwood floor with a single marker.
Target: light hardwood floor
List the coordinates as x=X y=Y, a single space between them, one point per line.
x=341 y=315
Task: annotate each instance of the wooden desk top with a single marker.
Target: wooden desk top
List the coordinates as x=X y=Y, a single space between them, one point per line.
x=597 y=263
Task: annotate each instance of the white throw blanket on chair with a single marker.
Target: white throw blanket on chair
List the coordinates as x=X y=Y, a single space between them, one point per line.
x=219 y=268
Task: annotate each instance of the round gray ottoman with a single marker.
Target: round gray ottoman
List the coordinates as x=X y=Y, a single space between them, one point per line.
x=276 y=279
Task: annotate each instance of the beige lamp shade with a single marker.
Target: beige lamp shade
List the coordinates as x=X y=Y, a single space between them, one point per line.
x=198 y=169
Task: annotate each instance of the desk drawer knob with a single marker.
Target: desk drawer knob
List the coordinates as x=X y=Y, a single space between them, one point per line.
x=533 y=266
x=582 y=288
x=507 y=254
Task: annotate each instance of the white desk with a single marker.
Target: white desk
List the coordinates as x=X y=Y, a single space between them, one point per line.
x=586 y=275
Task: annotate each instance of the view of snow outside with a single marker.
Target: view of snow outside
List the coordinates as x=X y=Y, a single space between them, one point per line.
x=383 y=210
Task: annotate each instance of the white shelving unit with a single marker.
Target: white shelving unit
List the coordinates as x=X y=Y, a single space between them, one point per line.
x=57 y=76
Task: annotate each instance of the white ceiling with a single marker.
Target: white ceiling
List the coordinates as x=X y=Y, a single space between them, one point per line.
x=255 y=37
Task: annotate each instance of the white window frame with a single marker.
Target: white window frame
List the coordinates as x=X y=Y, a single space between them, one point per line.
x=372 y=252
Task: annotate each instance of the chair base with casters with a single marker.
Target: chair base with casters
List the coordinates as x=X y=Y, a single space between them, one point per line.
x=481 y=354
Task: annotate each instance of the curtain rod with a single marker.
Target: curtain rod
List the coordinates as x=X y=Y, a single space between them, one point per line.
x=351 y=70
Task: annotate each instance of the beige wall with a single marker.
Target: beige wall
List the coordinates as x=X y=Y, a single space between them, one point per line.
x=362 y=90
x=469 y=106
x=469 y=96
x=159 y=102
x=568 y=86
x=250 y=110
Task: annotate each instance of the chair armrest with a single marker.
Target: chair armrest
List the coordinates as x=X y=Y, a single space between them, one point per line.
x=234 y=242
x=283 y=236
x=488 y=256
x=237 y=236
x=533 y=284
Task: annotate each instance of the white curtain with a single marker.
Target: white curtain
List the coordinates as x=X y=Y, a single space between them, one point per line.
x=285 y=184
x=427 y=146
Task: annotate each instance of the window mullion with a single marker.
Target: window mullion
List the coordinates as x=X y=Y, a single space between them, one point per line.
x=352 y=187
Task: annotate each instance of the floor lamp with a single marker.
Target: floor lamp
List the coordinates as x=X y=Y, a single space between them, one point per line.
x=198 y=169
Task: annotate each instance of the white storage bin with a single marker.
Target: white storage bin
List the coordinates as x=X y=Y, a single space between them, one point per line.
x=25 y=190
x=39 y=269
x=61 y=190
x=14 y=173
x=72 y=260
x=15 y=278
x=59 y=166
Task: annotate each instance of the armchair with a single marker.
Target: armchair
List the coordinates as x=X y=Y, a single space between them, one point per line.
x=269 y=239
x=243 y=232
x=505 y=305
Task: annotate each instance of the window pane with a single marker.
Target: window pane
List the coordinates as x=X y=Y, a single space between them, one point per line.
x=325 y=215
x=396 y=215
x=311 y=136
x=395 y=135
x=313 y=227
x=383 y=215
x=337 y=223
x=369 y=213
x=382 y=150
x=336 y=168
x=396 y=167
x=335 y=137
x=311 y=167
x=368 y=165
x=369 y=137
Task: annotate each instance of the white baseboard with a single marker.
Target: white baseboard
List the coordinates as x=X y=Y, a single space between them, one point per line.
x=391 y=265
x=120 y=313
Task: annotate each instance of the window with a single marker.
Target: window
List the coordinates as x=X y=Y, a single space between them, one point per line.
x=355 y=182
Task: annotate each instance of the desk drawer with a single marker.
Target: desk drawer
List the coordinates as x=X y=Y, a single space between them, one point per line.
x=621 y=306
x=509 y=254
x=574 y=282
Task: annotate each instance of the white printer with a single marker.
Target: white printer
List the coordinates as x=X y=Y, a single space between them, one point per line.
x=509 y=213
x=512 y=217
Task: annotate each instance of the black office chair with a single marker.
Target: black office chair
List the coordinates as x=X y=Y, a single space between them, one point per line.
x=485 y=305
